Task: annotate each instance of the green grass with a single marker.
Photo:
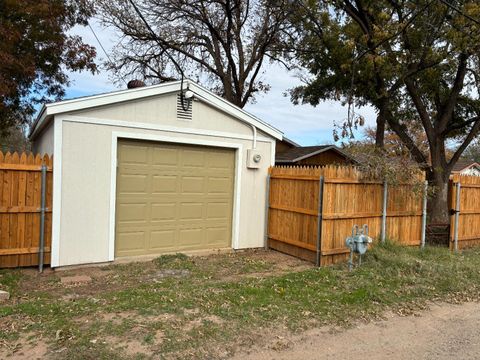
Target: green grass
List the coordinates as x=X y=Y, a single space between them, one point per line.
x=225 y=312
x=9 y=280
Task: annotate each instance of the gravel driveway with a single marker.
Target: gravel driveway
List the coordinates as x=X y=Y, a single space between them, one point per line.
x=444 y=332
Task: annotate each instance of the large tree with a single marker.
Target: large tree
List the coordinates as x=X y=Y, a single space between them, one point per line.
x=417 y=63
x=36 y=52
x=224 y=43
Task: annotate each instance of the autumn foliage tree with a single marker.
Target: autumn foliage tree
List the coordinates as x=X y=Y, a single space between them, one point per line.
x=417 y=63
x=36 y=53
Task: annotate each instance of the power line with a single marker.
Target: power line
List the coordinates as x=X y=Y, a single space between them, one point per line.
x=104 y=51
x=164 y=49
x=453 y=7
x=155 y=37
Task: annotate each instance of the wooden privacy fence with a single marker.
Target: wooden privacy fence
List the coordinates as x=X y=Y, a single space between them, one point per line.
x=312 y=210
x=20 y=208
x=465 y=219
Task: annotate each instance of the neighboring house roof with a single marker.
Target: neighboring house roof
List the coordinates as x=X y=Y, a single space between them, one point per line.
x=290 y=142
x=201 y=93
x=299 y=153
x=462 y=165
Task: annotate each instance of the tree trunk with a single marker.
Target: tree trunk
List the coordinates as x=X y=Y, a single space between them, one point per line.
x=380 y=134
x=439 y=208
x=381 y=120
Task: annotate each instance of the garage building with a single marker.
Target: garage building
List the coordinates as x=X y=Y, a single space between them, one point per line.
x=146 y=171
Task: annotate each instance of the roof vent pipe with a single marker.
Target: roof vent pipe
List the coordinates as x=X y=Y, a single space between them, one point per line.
x=132 y=84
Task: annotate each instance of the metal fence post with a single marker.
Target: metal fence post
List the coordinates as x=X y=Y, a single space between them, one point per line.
x=42 y=218
x=267 y=208
x=457 y=215
x=424 y=213
x=384 y=211
x=319 y=220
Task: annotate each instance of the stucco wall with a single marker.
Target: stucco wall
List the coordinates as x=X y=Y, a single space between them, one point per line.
x=43 y=143
x=85 y=222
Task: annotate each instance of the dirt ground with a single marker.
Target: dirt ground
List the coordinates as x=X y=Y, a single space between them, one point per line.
x=445 y=331
x=244 y=305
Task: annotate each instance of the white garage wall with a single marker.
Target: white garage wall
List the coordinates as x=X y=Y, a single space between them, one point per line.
x=85 y=221
x=44 y=143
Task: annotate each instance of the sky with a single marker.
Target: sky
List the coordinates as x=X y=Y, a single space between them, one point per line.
x=304 y=124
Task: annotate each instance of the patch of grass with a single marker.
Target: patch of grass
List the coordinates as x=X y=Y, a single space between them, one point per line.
x=199 y=314
x=9 y=280
x=177 y=261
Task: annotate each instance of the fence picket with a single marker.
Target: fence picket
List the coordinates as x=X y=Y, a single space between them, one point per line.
x=348 y=198
x=19 y=208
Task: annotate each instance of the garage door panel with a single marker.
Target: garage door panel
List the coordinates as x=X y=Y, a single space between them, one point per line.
x=191 y=238
x=192 y=184
x=130 y=183
x=162 y=184
x=218 y=210
x=219 y=185
x=164 y=156
x=133 y=154
x=173 y=197
x=192 y=159
x=215 y=235
x=166 y=211
x=162 y=239
x=191 y=211
x=132 y=213
x=131 y=242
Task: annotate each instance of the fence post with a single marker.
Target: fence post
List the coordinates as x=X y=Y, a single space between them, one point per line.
x=319 y=220
x=41 y=246
x=267 y=208
x=424 y=213
x=384 y=211
x=457 y=215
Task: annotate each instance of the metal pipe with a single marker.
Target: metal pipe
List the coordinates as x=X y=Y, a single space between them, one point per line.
x=267 y=208
x=457 y=215
x=42 y=218
x=384 y=211
x=319 y=220
x=424 y=213
x=254 y=129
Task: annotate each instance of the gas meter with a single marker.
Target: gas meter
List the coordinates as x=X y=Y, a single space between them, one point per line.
x=358 y=243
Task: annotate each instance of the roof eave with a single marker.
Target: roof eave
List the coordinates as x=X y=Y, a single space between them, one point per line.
x=143 y=92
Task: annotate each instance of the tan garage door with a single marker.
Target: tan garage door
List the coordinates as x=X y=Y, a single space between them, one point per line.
x=172 y=197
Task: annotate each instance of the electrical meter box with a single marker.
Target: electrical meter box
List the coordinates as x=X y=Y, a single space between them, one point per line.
x=254 y=159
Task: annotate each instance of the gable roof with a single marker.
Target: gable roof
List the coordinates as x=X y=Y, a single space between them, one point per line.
x=461 y=165
x=299 y=153
x=49 y=110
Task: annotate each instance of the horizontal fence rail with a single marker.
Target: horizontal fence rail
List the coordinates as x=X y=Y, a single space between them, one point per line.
x=298 y=226
x=20 y=208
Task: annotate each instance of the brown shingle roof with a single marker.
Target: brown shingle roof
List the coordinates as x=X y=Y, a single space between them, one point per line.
x=464 y=164
x=303 y=152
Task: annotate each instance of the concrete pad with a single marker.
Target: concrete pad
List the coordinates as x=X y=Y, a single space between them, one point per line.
x=77 y=279
x=4 y=295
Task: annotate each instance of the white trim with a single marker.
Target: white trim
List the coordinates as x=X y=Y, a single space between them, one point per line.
x=113 y=196
x=143 y=92
x=166 y=128
x=57 y=191
x=162 y=138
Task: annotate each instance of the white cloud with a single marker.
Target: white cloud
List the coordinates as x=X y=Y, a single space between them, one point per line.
x=305 y=124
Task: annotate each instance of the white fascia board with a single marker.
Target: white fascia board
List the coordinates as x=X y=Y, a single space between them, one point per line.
x=144 y=92
x=234 y=111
